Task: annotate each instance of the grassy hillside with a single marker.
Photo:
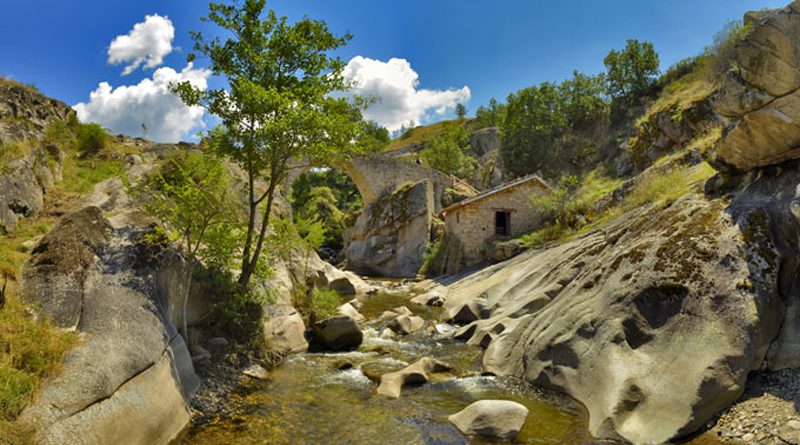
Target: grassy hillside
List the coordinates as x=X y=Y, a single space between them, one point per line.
x=422 y=134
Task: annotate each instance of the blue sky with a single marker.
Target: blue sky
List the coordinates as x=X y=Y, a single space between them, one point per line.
x=490 y=47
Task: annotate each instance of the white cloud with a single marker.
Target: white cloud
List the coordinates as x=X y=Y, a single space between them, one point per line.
x=394 y=85
x=124 y=109
x=147 y=43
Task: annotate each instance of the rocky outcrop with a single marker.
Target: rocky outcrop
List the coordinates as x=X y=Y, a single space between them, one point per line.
x=25 y=113
x=502 y=419
x=484 y=141
x=653 y=322
x=131 y=376
x=760 y=96
x=390 y=236
x=24 y=182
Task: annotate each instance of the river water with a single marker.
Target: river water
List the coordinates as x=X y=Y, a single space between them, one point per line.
x=329 y=398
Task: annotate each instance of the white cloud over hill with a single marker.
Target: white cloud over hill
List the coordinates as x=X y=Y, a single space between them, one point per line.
x=125 y=108
x=394 y=85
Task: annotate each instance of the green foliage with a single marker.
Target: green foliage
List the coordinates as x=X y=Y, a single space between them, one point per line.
x=329 y=197
x=632 y=70
x=461 y=110
x=556 y=203
x=492 y=116
x=279 y=104
x=92 y=139
x=324 y=303
x=548 y=125
x=374 y=138
x=447 y=152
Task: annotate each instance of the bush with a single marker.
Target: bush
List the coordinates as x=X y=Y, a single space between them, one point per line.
x=92 y=139
x=724 y=47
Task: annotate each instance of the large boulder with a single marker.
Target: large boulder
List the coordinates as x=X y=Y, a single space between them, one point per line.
x=391 y=235
x=502 y=419
x=415 y=374
x=336 y=334
x=284 y=330
x=654 y=322
x=761 y=96
x=98 y=278
x=484 y=141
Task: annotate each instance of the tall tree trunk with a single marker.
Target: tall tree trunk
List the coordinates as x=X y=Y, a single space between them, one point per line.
x=252 y=262
x=184 y=309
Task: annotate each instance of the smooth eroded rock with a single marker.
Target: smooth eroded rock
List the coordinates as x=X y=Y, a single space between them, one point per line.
x=335 y=334
x=502 y=419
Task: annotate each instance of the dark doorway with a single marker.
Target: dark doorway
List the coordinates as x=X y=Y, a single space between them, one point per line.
x=502 y=223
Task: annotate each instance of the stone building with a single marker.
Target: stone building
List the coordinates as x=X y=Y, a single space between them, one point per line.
x=500 y=213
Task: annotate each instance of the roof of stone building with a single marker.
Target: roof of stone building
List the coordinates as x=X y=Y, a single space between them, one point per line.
x=500 y=188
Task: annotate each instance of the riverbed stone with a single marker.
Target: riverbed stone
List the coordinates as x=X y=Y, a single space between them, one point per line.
x=405 y=324
x=284 y=330
x=335 y=334
x=415 y=374
x=349 y=310
x=502 y=419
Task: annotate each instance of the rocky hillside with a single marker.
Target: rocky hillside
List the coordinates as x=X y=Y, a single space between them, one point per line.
x=654 y=320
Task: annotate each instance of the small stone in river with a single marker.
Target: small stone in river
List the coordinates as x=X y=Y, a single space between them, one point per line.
x=794 y=424
x=256 y=372
x=748 y=437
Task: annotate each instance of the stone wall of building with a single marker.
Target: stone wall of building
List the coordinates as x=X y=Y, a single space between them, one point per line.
x=474 y=223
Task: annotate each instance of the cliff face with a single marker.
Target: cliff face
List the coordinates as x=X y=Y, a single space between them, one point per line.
x=654 y=321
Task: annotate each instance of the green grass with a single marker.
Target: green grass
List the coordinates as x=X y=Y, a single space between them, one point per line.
x=80 y=175
x=655 y=187
x=30 y=350
x=422 y=134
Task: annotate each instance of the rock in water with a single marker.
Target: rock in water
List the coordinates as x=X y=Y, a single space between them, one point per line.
x=336 y=334
x=256 y=372
x=404 y=324
x=349 y=310
x=502 y=419
x=415 y=374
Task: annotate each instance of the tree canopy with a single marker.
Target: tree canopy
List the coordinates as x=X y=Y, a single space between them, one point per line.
x=278 y=104
x=631 y=70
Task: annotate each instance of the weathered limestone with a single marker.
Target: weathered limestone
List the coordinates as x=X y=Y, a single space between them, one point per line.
x=284 y=330
x=93 y=275
x=23 y=183
x=502 y=419
x=760 y=97
x=654 y=322
x=391 y=235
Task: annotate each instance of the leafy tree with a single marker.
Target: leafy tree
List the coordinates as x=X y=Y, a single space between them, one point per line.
x=632 y=70
x=535 y=120
x=192 y=197
x=556 y=204
x=279 y=104
x=491 y=116
x=461 y=110
x=375 y=137
x=447 y=151
x=584 y=105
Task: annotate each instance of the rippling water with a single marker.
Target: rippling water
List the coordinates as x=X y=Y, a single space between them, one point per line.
x=309 y=401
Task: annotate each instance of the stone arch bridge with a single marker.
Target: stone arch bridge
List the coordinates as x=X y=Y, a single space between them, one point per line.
x=376 y=175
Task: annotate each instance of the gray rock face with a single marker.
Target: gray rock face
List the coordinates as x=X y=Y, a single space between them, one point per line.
x=131 y=376
x=390 y=236
x=761 y=97
x=654 y=322
x=23 y=183
x=336 y=334
x=484 y=141
x=25 y=113
x=492 y=418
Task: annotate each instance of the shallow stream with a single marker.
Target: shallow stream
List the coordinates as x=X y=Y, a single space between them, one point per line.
x=328 y=398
